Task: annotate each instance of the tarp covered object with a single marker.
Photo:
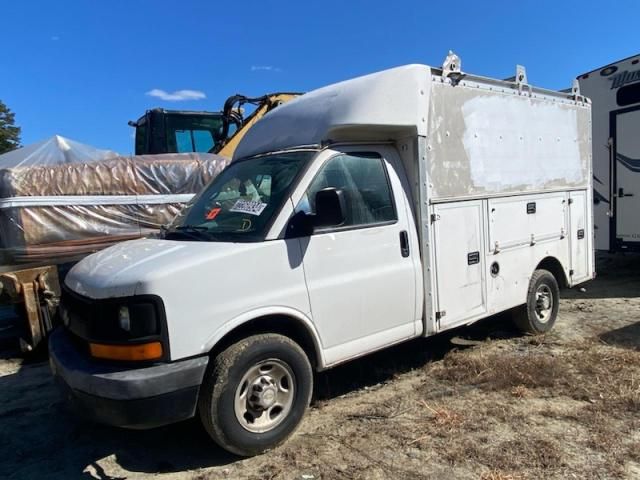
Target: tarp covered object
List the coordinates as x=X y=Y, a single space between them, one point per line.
x=60 y=209
x=53 y=151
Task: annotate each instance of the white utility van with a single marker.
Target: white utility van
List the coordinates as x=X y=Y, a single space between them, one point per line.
x=615 y=92
x=360 y=215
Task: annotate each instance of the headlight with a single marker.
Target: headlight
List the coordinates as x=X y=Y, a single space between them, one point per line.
x=138 y=320
x=124 y=320
x=125 y=328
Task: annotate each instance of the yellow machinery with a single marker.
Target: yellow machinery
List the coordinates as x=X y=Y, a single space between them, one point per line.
x=181 y=131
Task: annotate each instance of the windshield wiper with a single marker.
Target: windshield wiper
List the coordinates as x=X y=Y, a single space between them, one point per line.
x=198 y=232
x=193 y=228
x=194 y=232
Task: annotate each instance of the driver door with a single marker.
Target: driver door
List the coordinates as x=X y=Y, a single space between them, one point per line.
x=361 y=275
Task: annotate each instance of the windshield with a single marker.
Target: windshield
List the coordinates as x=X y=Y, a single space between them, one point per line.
x=240 y=203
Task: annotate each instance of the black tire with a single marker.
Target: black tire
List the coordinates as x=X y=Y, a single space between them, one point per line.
x=216 y=403
x=528 y=318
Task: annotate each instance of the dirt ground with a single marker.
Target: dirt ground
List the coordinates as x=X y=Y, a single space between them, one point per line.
x=507 y=407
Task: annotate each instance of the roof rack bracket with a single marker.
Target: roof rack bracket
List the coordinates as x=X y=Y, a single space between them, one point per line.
x=520 y=79
x=451 y=68
x=575 y=92
x=575 y=88
x=521 y=76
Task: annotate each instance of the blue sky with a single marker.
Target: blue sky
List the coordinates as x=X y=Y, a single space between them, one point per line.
x=83 y=68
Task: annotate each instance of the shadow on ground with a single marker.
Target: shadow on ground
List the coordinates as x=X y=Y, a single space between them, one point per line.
x=617 y=276
x=626 y=337
x=39 y=438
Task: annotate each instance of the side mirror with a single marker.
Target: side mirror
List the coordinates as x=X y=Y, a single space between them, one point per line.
x=330 y=208
x=300 y=225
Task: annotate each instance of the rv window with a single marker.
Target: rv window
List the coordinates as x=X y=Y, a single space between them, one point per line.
x=628 y=95
x=364 y=181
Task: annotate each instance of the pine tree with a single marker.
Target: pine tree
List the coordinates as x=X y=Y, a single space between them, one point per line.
x=9 y=133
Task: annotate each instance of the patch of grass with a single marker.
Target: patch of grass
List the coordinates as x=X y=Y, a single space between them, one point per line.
x=589 y=371
x=520 y=391
x=499 y=475
x=533 y=452
x=444 y=417
x=514 y=458
x=501 y=370
x=609 y=377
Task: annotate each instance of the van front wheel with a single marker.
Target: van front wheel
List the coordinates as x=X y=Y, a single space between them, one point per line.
x=255 y=393
x=539 y=314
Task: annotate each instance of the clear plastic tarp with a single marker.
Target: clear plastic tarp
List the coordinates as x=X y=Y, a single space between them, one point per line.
x=55 y=150
x=68 y=205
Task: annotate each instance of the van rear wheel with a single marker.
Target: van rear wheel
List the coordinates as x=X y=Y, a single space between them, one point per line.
x=255 y=393
x=539 y=314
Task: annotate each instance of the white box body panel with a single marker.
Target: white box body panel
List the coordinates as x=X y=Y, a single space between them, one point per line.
x=522 y=220
x=485 y=142
x=511 y=241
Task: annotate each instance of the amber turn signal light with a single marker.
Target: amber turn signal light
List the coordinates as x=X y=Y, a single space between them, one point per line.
x=142 y=351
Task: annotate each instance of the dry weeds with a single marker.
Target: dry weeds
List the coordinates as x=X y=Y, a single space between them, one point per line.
x=499 y=475
x=603 y=381
x=501 y=370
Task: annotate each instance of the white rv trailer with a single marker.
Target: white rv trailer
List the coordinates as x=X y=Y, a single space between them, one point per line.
x=615 y=94
x=392 y=206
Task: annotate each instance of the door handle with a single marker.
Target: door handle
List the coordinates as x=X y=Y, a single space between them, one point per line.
x=404 y=243
x=622 y=194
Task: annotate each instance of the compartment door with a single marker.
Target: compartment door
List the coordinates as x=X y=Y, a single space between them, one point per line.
x=459 y=261
x=580 y=236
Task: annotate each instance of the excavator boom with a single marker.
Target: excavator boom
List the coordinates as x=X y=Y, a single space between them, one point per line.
x=265 y=105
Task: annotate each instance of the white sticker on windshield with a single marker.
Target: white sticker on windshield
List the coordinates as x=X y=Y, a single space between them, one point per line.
x=248 y=206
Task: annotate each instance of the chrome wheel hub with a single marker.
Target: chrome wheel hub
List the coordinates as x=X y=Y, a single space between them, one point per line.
x=264 y=396
x=544 y=303
x=263 y=393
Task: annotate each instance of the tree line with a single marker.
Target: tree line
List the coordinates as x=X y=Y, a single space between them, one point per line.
x=9 y=132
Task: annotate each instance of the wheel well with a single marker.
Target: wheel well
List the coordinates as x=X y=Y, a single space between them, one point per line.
x=555 y=267
x=282 y=324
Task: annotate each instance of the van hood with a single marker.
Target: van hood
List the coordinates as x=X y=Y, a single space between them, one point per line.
x=124 y=269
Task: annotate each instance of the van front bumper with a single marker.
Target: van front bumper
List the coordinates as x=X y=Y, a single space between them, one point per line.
x=139 y=398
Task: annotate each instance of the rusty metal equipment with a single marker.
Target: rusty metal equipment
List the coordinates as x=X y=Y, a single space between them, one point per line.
x=36 y=292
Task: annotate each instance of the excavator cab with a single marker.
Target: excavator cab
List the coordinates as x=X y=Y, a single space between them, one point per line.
x=177 y=131
x=181 y=131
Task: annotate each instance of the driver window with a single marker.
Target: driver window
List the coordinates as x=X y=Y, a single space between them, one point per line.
x=362 y=177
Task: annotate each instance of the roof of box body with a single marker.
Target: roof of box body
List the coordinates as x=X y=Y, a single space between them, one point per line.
x=379 y=106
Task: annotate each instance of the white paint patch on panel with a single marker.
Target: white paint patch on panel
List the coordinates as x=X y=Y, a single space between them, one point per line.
x=511 y=142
